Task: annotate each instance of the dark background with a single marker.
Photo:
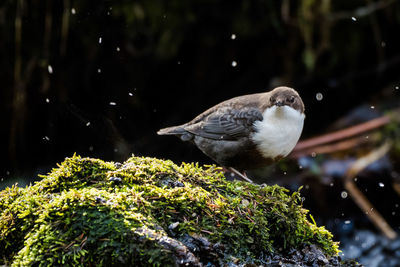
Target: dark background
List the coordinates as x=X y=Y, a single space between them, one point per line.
x=163 y=62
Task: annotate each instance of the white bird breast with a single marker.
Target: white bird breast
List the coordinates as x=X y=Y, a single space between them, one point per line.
x=279 y=131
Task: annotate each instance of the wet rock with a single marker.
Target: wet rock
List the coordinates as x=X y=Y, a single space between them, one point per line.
x=118 y=165
x=171 y=183
x=308 y=255
x=371 y=249
x=115 y=179
x=393 y=245
x=181 y=253
x=100 y=200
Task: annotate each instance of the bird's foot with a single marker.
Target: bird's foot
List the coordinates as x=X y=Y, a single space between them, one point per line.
x=241 y=175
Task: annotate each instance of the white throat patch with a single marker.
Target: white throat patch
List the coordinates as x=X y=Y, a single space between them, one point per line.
x=278 y=132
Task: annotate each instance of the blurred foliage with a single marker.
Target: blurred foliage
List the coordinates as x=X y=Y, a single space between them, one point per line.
x=164 y=51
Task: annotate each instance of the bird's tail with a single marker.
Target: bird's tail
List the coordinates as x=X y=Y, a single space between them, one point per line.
x=178 y=131
x=174 y=130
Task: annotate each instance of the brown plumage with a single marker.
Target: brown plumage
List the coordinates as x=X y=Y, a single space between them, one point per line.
x=243 y=132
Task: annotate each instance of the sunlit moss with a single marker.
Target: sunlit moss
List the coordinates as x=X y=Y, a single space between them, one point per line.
x=87 y=211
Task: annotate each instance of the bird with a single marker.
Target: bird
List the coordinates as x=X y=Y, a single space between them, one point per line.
x=247 y=132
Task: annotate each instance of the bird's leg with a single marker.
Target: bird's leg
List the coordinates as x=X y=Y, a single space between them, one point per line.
x=241 y=175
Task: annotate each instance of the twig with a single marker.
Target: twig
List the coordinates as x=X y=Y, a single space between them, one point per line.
x=343 y=134
x=359 y=198
x=396 y=187
x=244 y=177
x=331 y=148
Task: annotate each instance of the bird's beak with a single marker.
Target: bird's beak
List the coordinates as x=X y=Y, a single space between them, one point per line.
x=279 y=103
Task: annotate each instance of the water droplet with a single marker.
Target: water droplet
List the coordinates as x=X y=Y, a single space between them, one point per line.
x=118 y=49
x=100 y=40
x=300 y=167
x=46 y=138
x=98 y=70
x=50 y=69
x=179 y=63
x=313 y=154
x=88 y=123
x=130 y=94
x=284 y=173
x=355 y=179
x=393 y=213
x=234 y=63
x=319 y=96
x=91 y=148
x=396 y=87
x=381 y=185
x=354 y=18
x=331 y=184
x=343 y=194
x=233 y=36
x=347 y=222
x=307 y=186
x=47 y=100
x=73 y=11
x=383 y=44
x=372 y=107
x=113 y=104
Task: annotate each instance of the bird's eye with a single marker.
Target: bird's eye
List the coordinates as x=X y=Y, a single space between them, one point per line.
x=291 y=99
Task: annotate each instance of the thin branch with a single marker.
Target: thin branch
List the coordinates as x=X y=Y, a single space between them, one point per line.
x=359 y=198
x=335 y=147
x=342 y=134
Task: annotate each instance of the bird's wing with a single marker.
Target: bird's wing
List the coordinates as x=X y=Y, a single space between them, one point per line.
x=226 y=123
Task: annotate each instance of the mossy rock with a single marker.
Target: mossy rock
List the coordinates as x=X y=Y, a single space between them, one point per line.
x=148 y=211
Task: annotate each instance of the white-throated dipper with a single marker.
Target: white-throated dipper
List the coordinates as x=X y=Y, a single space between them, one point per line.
x=249 y=131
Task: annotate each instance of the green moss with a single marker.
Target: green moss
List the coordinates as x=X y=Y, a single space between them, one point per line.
x=88 y=211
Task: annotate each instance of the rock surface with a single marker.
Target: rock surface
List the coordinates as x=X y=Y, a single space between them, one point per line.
x=147 y=211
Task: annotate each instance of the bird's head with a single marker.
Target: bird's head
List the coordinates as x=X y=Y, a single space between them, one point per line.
x=286 y=96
